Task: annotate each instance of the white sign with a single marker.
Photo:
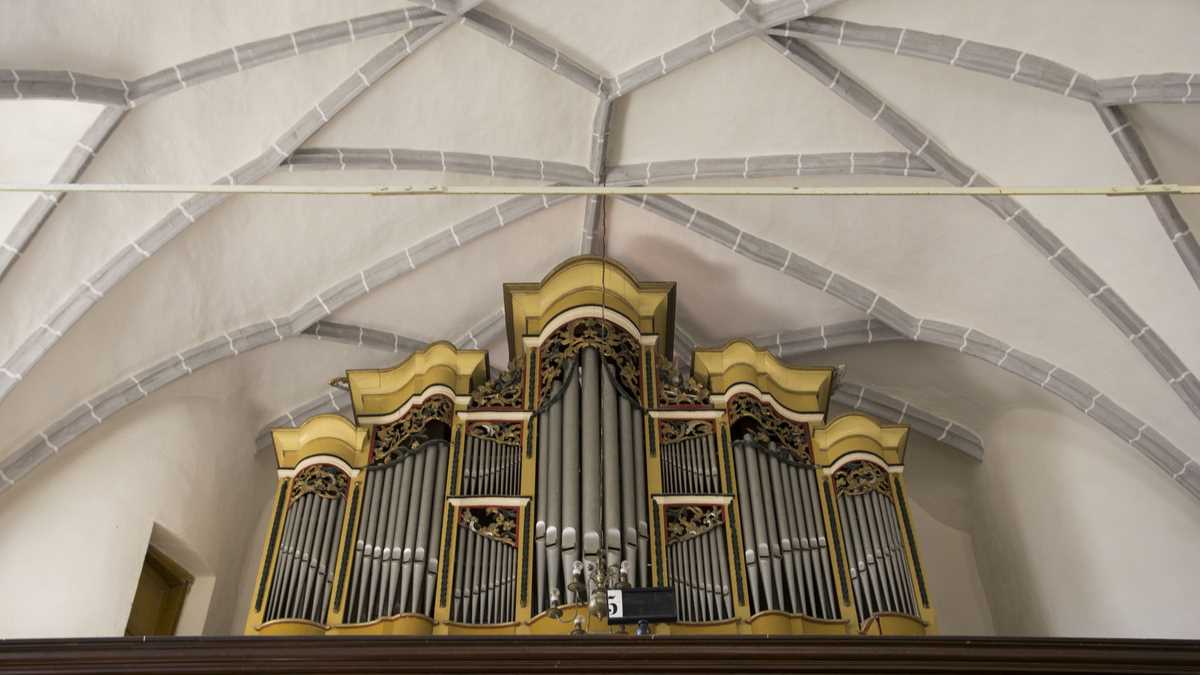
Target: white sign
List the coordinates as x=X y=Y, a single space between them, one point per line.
x=616 y=605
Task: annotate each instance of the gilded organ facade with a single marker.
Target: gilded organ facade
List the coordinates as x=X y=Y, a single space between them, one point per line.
x=462 y=503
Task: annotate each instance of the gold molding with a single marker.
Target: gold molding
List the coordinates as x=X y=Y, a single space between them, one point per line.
x=856 y=432
x=377 y=393
x=801 y=390
x=326 y=434
x=589 y=281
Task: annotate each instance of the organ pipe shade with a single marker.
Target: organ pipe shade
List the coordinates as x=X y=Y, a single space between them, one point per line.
x=454 y=505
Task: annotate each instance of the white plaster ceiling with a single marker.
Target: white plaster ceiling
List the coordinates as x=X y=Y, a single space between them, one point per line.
x=249 y=260
x=35 y=138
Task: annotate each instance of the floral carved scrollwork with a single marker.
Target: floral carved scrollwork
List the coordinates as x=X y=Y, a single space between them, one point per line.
x=492 y=522
x=411 y=431
x=503 y=391
x=685 y=522
x=678 y=430
x=614 y=344
x=858 y=478
x=768 y=426
x=324 y=480
x=675 y=389
x=501 y=432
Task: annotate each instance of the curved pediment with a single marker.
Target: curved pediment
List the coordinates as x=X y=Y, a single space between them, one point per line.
x=739 y=362
x=589 y=281
x=322 y=435
x=378 y=394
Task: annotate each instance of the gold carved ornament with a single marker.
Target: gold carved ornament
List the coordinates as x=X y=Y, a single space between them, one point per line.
x=500 y=432
x=770 y=426
x=685 y=522
x=614 y=344
x=411 y=431
x=678 y=430
x=492 y=522
x=324 y=480
x=676 y=389
x=506 y=390
x=859 y=478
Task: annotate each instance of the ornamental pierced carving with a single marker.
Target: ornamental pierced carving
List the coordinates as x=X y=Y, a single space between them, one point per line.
x=614 y=344
x=503 y=391
x=677 y=389
x=412 y=431
x=678 y=430
x=859 y=478
x=685 y=522
x=324 y=480
x=768 y=425
x=492 y=522
x=500 y=432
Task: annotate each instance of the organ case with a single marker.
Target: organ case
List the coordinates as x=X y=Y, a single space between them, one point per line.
x=458 y=503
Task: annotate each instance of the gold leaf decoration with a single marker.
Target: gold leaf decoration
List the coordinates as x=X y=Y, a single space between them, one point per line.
x=492 y=522
x=324 y=480
x=766 y=426
x=614 y=344
x=501 y=432
x=674 y=389
x=504 y=391
x=685 y=522
x=678 y=430
x=858 y=478
x=411 y=431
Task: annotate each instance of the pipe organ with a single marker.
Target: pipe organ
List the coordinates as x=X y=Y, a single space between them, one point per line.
x=460 y=503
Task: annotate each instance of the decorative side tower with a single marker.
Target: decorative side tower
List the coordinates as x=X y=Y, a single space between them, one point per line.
x=459 y=505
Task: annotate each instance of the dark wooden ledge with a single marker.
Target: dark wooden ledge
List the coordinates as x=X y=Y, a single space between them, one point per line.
x=598 y=654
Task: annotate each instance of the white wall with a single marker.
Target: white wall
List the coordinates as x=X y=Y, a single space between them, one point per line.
x=1078 y=535
x=73 y=537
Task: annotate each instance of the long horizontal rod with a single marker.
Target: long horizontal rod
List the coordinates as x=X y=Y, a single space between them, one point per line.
x=584 y=190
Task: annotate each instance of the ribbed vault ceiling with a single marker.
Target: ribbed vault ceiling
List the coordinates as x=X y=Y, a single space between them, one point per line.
x=110 y=299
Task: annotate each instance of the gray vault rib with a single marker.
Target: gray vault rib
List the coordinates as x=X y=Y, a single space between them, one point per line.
x=188 y=211
x=1182 y=237
x=71 y=85
x=550 y=57
x=1153 y=348
x=141 y=384
x=772 y=166
x=1032 y=70
x=1010 y=64
x=1124 y=424
x=601 y=125
x=407 y=159
x=77 y=161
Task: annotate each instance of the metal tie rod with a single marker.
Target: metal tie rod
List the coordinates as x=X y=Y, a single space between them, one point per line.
x=591 y=190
